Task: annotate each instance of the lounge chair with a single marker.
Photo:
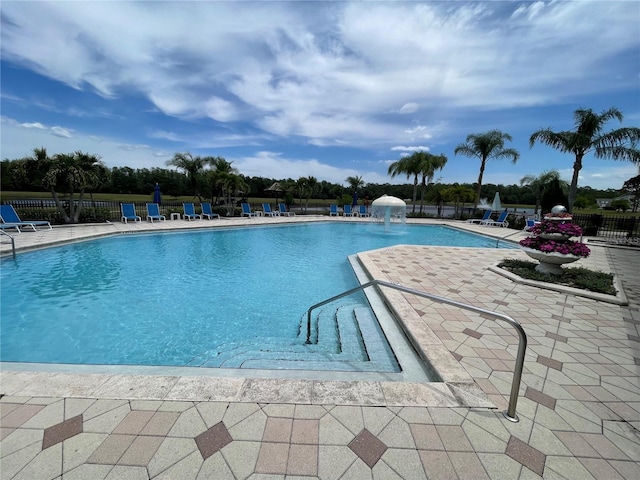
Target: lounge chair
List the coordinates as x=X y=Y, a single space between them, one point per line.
x=129 y=213
x=363 y=211
x=500 y=222
x=190 y=212
x=9 y=216
x=246 y=210
x=485 y=217
x=207 y=212
x=8 y=226
x=282 y=208
x=529 y=223
x=153 y=213
x=346 y=211
x=333 y=210
x=266 y=210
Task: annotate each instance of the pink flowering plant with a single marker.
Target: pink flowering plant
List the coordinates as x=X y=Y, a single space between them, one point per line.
x=569 y=229
x=566 y=247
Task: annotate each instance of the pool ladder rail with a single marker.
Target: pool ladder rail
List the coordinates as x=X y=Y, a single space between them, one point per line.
x=510 y=413
x=13 y=242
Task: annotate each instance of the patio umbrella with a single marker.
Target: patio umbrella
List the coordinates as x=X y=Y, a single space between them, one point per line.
x=275 y=188
x=355 y=199
x=496 y=206
x=156 y=194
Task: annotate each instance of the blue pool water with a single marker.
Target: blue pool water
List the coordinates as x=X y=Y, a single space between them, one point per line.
x=185 y=297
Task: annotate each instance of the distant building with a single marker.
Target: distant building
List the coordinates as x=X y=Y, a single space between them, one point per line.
x=606 y=202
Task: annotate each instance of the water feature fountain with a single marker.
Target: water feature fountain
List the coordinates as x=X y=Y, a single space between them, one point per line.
x=387 y=210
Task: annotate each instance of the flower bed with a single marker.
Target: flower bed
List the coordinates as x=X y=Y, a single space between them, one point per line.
x=547 y=227
x=565 y=247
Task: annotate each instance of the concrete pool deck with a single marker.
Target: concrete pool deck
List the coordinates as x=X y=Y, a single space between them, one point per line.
x=579 y=403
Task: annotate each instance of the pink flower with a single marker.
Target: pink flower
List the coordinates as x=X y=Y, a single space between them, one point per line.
x=567 y=247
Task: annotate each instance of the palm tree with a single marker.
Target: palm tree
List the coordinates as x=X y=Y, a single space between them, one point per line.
x=355 y=183
x=72 y=173
x=539 y=183
x=588 y=137
x=409 y=166
x=193 y=167
x=486 y=146
x=312 y=183
x=217 y=176
x=428 y=166
x=459 y=195
x=231 y=183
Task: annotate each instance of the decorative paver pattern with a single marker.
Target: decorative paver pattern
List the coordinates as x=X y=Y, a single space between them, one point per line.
x=579 y=403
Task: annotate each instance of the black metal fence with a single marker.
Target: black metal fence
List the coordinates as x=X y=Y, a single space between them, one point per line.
x=609 y=227
x=100 y=211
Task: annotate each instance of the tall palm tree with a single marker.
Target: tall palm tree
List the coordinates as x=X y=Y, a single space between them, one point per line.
x=193 y=167
x=588 y=137
x=428 y=166
x=409 y=166
x=539 y=183
x=217 y=175
x=312 y=183
x=486 y=146
x=73 y=173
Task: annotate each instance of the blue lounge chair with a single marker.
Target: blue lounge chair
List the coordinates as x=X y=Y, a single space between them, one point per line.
x=529 y=223
x=363 y=211
x=129 y=213
x=207 y=212
x=246 y=210
x=9 y=226
x=153 y=213
x=333 y=210
x=266 y=210
x=9 y=216
x=485 y=217
x=500 y=222
x=346 y=211
x=190 y=212
x=282 y=208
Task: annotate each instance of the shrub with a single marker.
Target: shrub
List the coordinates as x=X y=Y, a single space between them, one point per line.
x=576 y=277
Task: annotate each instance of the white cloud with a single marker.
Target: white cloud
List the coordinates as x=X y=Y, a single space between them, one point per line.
x=34 y=125
x=409 y=108
x=61 y=132
x=416 y=148
x=317 y=69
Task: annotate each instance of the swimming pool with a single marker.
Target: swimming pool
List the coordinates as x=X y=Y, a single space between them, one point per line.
x=191 y=298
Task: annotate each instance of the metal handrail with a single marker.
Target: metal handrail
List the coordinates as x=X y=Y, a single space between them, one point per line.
x=510 y=413
x=13 y=242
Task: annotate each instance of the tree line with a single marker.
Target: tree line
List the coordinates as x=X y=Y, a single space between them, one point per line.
x=215 y=178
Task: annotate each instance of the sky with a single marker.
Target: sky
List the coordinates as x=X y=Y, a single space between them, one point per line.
x=326 y=89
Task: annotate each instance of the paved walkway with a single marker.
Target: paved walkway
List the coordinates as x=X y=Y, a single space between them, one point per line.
x=579 y=403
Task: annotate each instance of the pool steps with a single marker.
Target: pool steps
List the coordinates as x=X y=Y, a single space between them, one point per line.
x=347 y=338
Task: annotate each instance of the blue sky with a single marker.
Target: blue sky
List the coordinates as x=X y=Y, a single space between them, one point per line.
x=329 y=89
